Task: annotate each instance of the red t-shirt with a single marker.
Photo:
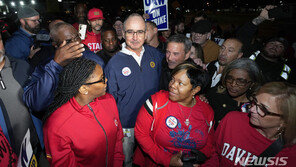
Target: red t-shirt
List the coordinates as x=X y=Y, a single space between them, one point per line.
x=93 y=41
x=237 y=142
x=7 y=156
x=170 y=134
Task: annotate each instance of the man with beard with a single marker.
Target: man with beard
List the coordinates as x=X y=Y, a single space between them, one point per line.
x=109 y=43
x=93 y=34
x=230 y=50
x=21 y=43
x=271 y=62
x=80 y=14
x=179 y=27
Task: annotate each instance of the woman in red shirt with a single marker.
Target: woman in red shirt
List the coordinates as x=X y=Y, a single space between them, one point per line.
x=82 y=126
x=241 y=137
x=173 y=123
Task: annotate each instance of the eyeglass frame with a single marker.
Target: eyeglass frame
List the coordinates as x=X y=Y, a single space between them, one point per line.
x=236 y=79
x=99 y=81
x=73 y=39
x=39 y=20
x=253 y=101
x=132 y=32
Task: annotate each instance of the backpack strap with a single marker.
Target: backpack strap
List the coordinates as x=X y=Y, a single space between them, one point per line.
x=272 y=150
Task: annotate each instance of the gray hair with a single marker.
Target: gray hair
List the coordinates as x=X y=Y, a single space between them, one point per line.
x=179 y=38
x=133 y=15
x=252 y=69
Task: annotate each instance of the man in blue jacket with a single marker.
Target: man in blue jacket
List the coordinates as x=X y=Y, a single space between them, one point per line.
x=133 y=75
x=40 y=91
x=20 y=45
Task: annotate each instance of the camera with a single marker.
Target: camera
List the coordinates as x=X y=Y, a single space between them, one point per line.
x=196 y=157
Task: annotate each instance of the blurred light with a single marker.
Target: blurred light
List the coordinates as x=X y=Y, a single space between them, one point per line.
x=4 y=13
x=33 y=2
x=15 y=12
x=12 y=3
x=59 y=0
x=1 y=3
x=22 y=3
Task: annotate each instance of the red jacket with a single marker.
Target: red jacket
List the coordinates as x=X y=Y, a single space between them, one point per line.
x=73 y=137
x=93 y=41
x=160 y=139
x=237 y=142
x=7 y=156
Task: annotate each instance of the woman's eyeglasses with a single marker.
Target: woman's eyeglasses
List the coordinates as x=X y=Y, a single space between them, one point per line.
x=101 y=80
x=263 y=110
x=238 y=81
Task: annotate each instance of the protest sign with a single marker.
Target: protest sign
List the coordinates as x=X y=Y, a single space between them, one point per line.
x=158 y=12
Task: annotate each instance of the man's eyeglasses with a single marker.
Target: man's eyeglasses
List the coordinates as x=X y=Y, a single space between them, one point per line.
x=138 y=33
x=76 y=38
x=37 y=20
x=263 y=110
x=101 y=80
x=238 y=81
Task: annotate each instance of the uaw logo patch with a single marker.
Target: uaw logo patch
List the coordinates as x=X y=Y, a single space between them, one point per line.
x=152 y=64
x=171 y=122
x=126 y=71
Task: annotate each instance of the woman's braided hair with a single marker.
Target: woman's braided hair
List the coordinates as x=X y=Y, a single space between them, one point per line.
x=71 y=79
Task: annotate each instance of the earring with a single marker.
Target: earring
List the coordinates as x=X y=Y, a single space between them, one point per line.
x=280 y=131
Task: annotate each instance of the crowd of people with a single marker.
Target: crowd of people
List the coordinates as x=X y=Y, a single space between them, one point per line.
x=127 y=94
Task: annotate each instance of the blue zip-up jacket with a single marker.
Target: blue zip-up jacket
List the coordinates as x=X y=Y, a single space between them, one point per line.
x=19 y=45
x=40 y=91
x=131 y=84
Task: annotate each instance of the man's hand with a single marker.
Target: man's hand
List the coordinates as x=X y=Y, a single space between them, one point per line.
x=264 y=12
x=200 y=63
x=33 y=52
x=65 y=53
x=263 y=15
x=176 y=160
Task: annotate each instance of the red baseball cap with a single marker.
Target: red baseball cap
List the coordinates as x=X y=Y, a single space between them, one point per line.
x=94 y=14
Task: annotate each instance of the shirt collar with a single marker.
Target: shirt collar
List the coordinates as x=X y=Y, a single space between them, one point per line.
x=128 y=52
x=26 y=32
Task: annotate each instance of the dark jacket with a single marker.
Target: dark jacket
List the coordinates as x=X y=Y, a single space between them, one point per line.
x=131 y=84
x=15 y=116
x=40 y=91
x=19 y=45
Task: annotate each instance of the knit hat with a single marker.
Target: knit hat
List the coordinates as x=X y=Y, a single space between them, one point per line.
x=26 y=12
x=94 y=14
x=202 y=27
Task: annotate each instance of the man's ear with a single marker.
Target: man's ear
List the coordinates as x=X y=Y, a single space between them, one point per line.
x=123 y=34
x=187 y=55
x=23 y=22
x=240 y=55
x=208 y=35
x=155 y=30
